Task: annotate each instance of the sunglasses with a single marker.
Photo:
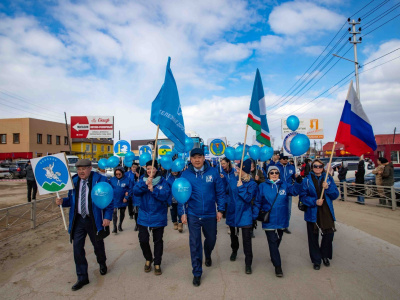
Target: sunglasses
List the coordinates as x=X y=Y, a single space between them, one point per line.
x=274 y=173
x=318 y=166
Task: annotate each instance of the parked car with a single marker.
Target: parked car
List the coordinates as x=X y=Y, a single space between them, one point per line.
x=4 y=173
x=16 y=171
x=369 y=179
x=352 y=167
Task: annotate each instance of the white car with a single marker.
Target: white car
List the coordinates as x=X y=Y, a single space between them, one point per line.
x=352 y=166
x=4 y=173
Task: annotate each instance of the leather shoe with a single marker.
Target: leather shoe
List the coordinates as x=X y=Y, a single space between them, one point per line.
x=147 y=266
x=278 y=272
x=248 y=270
x=196 y=280
x=114 y=230
x=233 y=256
x=286 y=230
x=208 y=262
x=326 y=262
x=103 y=269
x=79 y=284
x=120 y=227
x=317 y=267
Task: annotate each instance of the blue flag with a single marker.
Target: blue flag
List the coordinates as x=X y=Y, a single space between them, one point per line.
x=166 y=111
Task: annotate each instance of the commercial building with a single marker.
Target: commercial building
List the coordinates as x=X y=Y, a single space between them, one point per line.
x=23 y=138
x=93 y=149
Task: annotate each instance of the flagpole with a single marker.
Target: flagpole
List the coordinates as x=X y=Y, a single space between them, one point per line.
x=62 y=213
x=244 y=148
x=155 y=149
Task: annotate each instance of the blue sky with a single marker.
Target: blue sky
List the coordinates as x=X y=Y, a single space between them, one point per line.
x=109 y=58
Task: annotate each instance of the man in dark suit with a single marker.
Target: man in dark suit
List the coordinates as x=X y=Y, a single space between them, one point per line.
x=85 y=218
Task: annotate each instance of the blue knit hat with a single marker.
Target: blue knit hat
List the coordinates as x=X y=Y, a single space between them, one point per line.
x=246 y=166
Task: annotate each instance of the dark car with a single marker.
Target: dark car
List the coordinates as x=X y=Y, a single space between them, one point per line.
x=369 y=179
x=17 y=170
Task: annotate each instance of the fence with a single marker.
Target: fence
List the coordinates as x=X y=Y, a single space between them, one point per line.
x=19 y=218
x=385 y=196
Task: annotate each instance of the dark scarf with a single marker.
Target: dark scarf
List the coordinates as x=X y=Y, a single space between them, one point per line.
x=324 y=215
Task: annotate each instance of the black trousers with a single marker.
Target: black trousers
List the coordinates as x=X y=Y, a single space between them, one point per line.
x=31 y=186
x=247 y=246
x=83 y=227
x=144 y=240
x=318 y=252
x=130 y=207
x=274 y=238
x=121 y=216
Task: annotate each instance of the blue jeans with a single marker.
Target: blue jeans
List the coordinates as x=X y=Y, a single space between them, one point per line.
x=209 y=226
x=360 y=199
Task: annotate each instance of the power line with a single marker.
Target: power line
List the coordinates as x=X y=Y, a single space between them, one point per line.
x=380 y=25
x=385 y=13
x=361 y=9
x=374 y=9
x=381 y=57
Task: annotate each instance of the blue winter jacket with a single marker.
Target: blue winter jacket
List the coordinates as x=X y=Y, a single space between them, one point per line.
x=287 y=173
x=279 y=215
x=97 y=214
x=308 y=196
x=239 y=211
x=171 y=179
x=153 y=205
x=120 y=187
x=135 y=199
x=227 y=176
x=207 y=190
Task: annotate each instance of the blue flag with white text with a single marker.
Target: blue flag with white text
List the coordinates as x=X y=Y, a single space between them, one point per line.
x=166 y=111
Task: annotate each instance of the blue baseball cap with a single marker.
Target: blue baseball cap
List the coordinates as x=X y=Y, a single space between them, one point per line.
x=196 y=151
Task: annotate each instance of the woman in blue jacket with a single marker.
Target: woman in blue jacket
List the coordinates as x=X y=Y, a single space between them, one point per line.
x=319 y=215
x=226 y=174
x=273 y=194
x=239 y=212
x=122 y=187
x=154 y=193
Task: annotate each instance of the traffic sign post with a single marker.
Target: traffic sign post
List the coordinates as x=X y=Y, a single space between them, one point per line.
x=92 y=127
x=121 y=148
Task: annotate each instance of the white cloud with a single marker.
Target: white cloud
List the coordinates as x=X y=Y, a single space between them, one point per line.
x=313 y=50
x=227 y=52
x=307 y=18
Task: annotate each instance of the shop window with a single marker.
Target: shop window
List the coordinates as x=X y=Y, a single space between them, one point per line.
x=49 y=139
x=394 y=157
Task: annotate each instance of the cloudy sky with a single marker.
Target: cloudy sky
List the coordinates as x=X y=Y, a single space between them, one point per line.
x=109 y=57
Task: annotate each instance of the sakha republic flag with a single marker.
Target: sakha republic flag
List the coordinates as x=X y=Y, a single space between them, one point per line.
x=167 y=113
x=257 y=117
x=355 y=130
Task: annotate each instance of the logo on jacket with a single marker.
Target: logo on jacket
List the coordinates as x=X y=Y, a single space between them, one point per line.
x=290 y=171
x=123 y=185
x=209 y=178
x=328 y=182
x=282 y=192
x=160 y=187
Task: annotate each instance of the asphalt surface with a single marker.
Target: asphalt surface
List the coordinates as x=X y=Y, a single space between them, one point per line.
x=363 y=267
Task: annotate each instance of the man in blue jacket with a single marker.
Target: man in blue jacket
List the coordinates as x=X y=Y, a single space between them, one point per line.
x=85 y=218
x=207 y=191
x=287 y=174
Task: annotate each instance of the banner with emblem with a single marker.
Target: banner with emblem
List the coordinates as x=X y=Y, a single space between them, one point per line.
x=52 y=174
x=217 y=146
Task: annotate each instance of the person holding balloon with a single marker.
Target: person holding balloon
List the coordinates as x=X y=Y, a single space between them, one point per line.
x=201 y=213
x=318 y=195
x=91 y=209
x=154 y=193
x=122 y=187
x=239 y=212
x=273 y=196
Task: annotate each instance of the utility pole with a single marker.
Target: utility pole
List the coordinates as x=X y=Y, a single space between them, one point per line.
x=353 y=40
x=66 y=126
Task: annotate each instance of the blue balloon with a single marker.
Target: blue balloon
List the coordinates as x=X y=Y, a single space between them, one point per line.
x=254 y=152
x=174 y=151
x=239 y=152
x=230 y=153
x=102 y=194
x=103 y=164
x=246 y=157
x=144 y=158
x=128 y=163
x=188 y=144
x=113 y=162
x=170 y=154
x=181 y=190
x=166 y=162
x=130 y=156
x=266 y=153
x=299 y=144
x=178 y=165
x=293 y=122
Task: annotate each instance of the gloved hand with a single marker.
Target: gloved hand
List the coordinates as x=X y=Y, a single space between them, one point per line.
x=299 y=179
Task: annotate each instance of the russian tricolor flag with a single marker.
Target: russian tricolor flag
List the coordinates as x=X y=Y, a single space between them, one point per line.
x=355 y=130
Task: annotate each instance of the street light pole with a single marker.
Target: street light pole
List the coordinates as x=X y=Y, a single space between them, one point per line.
x=354 y=41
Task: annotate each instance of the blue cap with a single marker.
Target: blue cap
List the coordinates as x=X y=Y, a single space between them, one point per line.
x=196 y=151
x=246 y=166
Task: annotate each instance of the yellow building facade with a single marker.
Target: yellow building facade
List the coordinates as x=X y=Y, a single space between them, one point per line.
x=102 y=148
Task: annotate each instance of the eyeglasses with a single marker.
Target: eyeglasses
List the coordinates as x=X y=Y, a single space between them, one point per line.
x=274 y=173
x=318 y=166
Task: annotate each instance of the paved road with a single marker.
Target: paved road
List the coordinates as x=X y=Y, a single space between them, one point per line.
x=363 y=267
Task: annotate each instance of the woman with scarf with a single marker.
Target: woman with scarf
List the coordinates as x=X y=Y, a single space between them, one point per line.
x=122 y=187
x=320 y=216
x=273 y=195
x=154 y=193
x=239 y=212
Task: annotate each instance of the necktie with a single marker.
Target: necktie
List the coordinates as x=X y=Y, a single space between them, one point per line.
x=83 y=199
